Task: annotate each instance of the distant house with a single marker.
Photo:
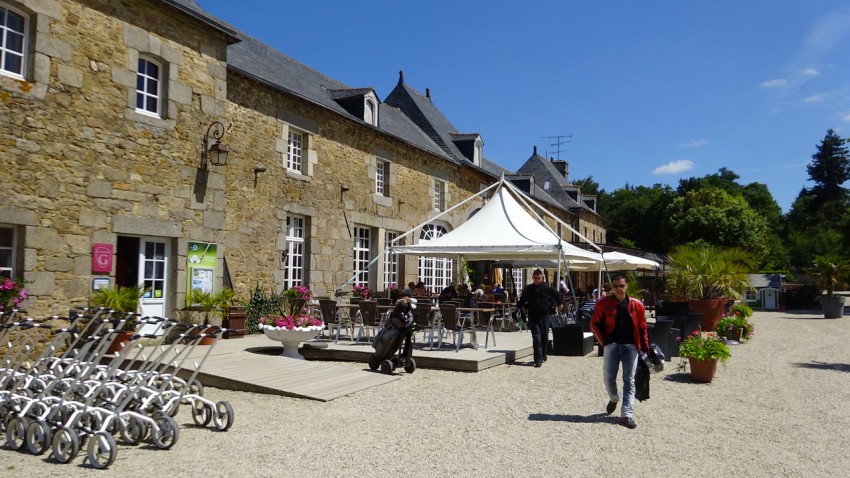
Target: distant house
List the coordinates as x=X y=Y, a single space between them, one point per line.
x=764 y=293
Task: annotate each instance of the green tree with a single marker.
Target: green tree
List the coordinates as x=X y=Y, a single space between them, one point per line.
x=718 y=218
x=819 y=218
x=635 y=216
x=588 y=186
x=724 y=179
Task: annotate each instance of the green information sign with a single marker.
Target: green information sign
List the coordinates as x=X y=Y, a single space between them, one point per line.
x=200 y=266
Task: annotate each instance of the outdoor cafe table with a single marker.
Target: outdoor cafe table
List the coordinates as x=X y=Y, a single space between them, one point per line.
x=477 y=311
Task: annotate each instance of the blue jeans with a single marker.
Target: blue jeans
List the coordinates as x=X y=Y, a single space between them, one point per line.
x=613 y=355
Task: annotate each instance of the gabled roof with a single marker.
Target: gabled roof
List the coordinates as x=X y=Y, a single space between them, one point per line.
x=761 y=281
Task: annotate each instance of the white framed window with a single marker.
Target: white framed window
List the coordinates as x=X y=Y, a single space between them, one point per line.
x=13 y=42
x=391 y=261
x=293 y=270
x=751 y=295
x=435 y=272
x=7 y=251
x=382 y=175
x=362 y=254
x=439 y=195
x=518 y=279
x=295 y=151
x=149 y=87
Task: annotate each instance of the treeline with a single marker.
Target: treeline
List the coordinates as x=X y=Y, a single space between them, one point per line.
x=719 y=210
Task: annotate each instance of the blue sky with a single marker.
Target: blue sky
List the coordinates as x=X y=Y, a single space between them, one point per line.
x=645 y=92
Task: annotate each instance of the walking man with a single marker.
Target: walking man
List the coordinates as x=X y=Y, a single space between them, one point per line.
x=619 y=324
x=540 y=300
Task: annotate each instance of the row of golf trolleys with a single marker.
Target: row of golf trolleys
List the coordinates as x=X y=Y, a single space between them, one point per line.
x=62 y=390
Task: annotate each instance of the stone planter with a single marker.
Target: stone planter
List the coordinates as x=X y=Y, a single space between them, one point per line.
x=291 y=339
x=702 y=371
x=833 y=307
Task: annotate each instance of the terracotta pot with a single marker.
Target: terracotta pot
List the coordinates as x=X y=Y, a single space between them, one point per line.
x=711 y=310
x=702 y=370
x=120 y=338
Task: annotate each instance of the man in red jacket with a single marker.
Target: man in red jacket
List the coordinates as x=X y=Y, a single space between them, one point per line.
x=619 y=324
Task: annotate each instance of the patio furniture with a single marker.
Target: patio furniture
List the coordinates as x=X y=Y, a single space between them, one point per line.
x=369 y=319
x=483 y=317
x=332 y=315
x=659 y=334
x=423 y=317
x=451 y=320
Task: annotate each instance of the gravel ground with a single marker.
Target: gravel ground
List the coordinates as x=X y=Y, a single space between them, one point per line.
x=779 y=407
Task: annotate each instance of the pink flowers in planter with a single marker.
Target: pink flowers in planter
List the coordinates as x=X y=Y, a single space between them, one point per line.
x=12 y=293
x=290 y=322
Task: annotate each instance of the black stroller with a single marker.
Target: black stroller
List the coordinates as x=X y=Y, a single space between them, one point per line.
x=394 y=344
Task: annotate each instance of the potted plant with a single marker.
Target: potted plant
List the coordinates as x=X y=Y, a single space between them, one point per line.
x=12 y=294
x=209 y=306
x=830 y=269
x=291 y=330
x=708 y=276
x=735 y=325
x=123 y=299
x=703 y=350
x=361 y=291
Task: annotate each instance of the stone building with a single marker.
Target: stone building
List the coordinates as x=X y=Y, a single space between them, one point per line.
x=111 y=115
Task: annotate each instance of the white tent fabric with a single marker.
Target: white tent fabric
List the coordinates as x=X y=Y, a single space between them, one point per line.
x=501 y=230
x=620 y=261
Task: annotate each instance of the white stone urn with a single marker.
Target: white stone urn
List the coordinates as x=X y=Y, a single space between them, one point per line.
x=291 y=338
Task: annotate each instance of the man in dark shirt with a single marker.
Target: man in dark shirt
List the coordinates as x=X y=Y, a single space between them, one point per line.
x=619 y=324
x=540 y=300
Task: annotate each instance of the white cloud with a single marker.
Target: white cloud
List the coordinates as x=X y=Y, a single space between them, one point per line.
x=846 y=118
x=693 y=144
x=813 y=99
x=675 y=167
x=777 y=83
x=811 y=72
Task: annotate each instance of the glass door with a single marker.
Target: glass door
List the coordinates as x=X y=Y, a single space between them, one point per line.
x=153 y=270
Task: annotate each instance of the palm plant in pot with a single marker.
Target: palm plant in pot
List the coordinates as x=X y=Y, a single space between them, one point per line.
x=830 y=269
x=708 y=276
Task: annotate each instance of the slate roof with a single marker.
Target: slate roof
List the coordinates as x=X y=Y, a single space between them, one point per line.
x=543 y=170
x=191 y=8
x=421 y=110
x=760 y=281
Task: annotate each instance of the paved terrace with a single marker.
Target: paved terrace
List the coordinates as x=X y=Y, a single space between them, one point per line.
x=248 y=364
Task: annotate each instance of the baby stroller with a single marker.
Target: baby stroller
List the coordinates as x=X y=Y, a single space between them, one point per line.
x=394 y=344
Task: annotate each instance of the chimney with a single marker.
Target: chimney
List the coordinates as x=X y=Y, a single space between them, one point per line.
x=562 y=167
x=400 y=77
x=535 y=151
x=428 y=93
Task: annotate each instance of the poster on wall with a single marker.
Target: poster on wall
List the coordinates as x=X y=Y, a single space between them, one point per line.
x=200 y=267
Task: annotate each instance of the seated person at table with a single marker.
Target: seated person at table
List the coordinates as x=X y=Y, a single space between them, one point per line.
x=448 y=293
x=409 y=289
x=420 y=290
x=499 y=294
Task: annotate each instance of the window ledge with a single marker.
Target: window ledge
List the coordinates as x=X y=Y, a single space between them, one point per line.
x=297 y=176
x=382 y=200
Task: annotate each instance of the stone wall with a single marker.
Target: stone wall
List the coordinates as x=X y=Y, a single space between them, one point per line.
x=79 y=161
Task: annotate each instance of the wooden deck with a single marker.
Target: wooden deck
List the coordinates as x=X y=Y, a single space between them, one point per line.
x=253 y=364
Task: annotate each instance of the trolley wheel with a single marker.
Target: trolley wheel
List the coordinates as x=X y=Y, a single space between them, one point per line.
x=386 y=367
x=66 y=445
x=39 y=436
x=134 y=430
x=223 y=416
x=410 y=365
x=374 y=363
x=172 y=409
x=201 y=413
x=89 y=422
x=16 y=432
x=166 y=433
x=196 y=388
x=101 y=450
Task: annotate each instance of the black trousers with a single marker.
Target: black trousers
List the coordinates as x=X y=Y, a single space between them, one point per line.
x=539 y=328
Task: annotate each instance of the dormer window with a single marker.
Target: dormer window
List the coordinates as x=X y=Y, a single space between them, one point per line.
x=370 y=112
x=470 y=145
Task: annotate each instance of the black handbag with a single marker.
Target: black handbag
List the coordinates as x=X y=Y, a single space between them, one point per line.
x=642 y=381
